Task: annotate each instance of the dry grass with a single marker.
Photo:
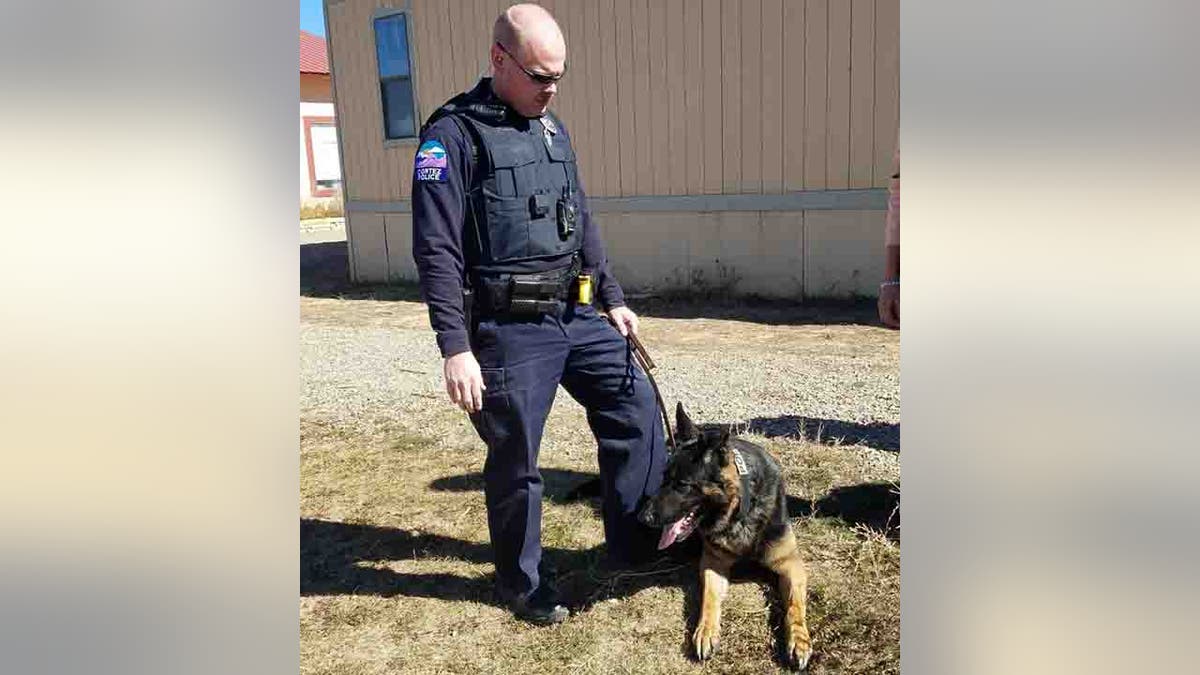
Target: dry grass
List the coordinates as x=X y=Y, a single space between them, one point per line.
x=396 y=572
x=321 y=208
x=396 y=567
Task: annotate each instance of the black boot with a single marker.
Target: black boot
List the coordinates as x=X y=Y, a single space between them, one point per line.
x=541 y=606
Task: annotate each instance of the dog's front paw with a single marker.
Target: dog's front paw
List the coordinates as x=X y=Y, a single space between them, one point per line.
x=799 y=647
x=705 y=640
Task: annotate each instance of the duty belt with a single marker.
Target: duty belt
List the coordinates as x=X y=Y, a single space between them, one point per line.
x=526 y=294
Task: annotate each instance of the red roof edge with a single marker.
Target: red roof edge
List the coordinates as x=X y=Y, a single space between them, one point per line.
x=314 y=54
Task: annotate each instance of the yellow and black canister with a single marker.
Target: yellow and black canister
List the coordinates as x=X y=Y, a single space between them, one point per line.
x=585 y=288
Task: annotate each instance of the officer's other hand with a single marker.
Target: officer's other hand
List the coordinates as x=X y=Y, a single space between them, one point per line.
x=464 y=382
x=889 y=306
x=624 y=319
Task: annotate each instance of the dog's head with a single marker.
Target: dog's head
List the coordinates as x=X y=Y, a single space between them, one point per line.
x=694 y=486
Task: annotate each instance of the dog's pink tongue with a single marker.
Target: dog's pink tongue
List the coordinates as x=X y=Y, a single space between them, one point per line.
x=670 y=532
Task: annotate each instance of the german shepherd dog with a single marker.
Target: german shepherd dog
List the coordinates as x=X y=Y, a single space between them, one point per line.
x=732 y=492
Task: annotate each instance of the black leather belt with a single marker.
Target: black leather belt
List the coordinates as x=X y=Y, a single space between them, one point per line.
x=526 y=294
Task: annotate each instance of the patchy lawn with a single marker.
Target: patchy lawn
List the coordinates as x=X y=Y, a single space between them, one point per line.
x=395 y=562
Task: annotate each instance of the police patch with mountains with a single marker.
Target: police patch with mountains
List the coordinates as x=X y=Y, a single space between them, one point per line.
x=431 y=162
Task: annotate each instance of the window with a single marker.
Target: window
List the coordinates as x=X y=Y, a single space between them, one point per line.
x=395 y=76
x=320 y=144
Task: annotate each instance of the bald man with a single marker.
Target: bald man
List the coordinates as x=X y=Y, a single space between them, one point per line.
x=508 y=255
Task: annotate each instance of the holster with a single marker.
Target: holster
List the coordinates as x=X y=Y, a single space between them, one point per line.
x=526 y=295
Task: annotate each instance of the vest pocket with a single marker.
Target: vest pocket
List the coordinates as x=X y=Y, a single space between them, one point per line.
x=512 y=166
x=514 y=234
x=560 y=151
x=508 y=227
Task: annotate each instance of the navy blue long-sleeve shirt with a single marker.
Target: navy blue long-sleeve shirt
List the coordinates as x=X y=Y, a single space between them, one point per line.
x=439 y=212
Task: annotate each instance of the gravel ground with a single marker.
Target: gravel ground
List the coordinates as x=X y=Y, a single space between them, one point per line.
x=368 y=365
x=387 y=461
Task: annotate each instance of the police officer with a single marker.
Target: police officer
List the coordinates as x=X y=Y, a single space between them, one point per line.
x=506 y=248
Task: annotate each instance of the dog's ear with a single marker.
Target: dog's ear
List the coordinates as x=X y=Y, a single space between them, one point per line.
x=684 y=429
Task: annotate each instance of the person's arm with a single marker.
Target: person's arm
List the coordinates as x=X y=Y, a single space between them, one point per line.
x=889 y=288
x=595 y=260
x=439 y=188
x=612 y=298
x=891 y=232
x=438 y=215
x=608 y=290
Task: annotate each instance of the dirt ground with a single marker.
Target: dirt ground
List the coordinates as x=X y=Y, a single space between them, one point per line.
x=395 y=562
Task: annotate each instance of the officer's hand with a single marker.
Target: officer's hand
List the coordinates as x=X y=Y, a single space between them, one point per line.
x=624 y=319
x=889 y=306
x=464 y=383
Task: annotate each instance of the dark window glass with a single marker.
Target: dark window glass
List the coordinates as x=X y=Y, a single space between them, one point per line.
x=395 y=76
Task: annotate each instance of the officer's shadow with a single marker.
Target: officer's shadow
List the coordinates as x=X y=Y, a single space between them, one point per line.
x=348 y=559
x=354 y=559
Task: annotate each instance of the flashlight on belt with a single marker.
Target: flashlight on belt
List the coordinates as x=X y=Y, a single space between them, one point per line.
x=585 y=288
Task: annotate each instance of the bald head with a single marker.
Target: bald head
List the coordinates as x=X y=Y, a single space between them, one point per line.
x=526 y=27
x=527 y=39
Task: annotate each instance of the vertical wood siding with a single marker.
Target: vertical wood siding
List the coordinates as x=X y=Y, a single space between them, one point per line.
x=663 y=97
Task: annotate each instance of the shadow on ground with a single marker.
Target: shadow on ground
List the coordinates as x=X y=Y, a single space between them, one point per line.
x=325 y=273
x=356 y=559
x=878 y=435
x=350 y=559
x=560 y=486
x=872 y=505
x=769 y=311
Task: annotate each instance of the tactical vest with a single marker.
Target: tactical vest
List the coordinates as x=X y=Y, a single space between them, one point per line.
x=523 y=198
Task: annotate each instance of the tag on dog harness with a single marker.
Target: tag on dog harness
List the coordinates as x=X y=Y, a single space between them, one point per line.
x=745 y=494
x=739 y=462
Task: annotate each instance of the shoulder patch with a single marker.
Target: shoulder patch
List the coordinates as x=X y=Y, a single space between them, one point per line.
x=431 y=162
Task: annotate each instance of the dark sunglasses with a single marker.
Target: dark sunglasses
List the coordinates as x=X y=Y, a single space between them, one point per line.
x=536 y=77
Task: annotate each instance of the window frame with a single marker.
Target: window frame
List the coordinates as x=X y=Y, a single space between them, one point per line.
x=383 y=13
x=315 y=190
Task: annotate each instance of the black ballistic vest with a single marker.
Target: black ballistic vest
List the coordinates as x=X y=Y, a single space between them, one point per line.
x=517 y=180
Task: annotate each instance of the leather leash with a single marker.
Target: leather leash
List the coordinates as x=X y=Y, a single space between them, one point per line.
x=643 y=358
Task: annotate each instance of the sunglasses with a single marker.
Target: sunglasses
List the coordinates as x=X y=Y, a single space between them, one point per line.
x=536 y=77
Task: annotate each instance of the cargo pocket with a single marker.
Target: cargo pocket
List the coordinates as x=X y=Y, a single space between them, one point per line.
x=493 y=379
x=489 y=422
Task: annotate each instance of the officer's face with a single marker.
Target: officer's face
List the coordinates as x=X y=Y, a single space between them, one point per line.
x=520 y=75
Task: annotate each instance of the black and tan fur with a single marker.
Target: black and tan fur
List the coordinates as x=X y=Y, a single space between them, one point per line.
x=741 y=515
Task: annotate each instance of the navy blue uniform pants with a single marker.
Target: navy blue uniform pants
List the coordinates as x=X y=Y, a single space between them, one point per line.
x=523 y=361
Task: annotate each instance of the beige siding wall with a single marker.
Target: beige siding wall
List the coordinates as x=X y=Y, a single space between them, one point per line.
x=773 y=254
x=663 y=97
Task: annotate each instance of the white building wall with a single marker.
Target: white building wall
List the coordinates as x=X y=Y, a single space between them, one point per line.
x=309 y=109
